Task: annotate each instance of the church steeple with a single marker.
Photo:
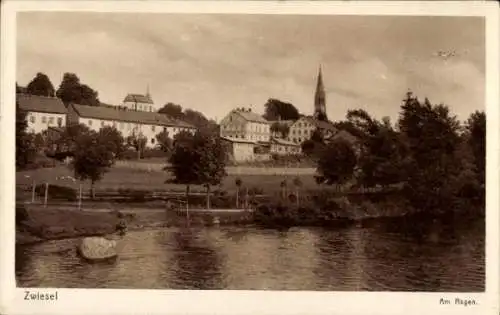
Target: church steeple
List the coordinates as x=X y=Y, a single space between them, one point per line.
x=320 y=98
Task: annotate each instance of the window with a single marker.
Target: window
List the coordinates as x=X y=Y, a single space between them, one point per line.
x=153 y=140
x=102 y=123
x=32 y=119
x=153 y=128
x=51 y=120
x=150 y=108
x=59 y=122
x=90 y=122
x=44 y=120
x=299 y=131
x=165 y=129
x=114 y=124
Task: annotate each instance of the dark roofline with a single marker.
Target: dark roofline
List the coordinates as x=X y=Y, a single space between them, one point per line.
x=174 y=123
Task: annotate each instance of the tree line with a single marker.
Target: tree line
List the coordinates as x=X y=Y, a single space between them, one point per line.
x=438 y=161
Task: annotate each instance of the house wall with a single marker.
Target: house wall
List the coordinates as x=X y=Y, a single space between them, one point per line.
x=235 y=126
x=301 y=130
x=128 y=129
x=255 y=131
x=145 y=107
x=284 y=149
x=37 y=121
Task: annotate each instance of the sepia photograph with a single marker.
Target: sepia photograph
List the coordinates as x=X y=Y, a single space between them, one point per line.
x=250 y=152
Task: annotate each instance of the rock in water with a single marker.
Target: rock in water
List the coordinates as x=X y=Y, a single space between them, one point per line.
x=97 y=248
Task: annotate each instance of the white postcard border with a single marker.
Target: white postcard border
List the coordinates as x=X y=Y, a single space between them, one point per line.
x=89 y=301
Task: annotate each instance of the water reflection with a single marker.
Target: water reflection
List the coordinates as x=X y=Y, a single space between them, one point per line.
x=196 y=264
x=375 y=257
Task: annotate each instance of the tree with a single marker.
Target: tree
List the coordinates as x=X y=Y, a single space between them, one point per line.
x=432 y=136
x=278 y=110
x=476 y=138
x=283 y=185
x=113 y=140
x=282 y=129
x=198 y=159
x=238 y=182
x=138 y=142
x=297 y=183
x=41 y=85
x=72 y=91
x=25 y=149
x=164 y=141
x=92 y=158
x=67 y=141
x=172 y=110
x=336 y=163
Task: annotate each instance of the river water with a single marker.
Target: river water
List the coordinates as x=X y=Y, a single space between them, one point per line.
x=380 y=257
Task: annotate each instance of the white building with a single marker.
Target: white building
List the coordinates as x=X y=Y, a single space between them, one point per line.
x=303 y=128
x=283 y=147
x=240 y=150
x=243 y=124
x=128 y=122
x=42 y=112
x=139 y=102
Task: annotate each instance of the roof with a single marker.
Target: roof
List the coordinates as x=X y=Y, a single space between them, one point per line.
x=238 y=140
x=250 y=116
x=320 y=123
x=120 y=114
x=288 y=122
x=42 y=104
x=284 y=142
x=138 y=98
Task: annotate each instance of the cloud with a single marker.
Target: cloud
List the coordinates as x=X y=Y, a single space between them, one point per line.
x=213 y=63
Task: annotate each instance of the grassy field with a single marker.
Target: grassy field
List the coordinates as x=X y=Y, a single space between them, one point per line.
x=123 y=178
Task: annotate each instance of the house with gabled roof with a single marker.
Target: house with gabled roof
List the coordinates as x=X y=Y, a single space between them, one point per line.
x=128 y=122
x=139 y=102
x=242 y=123
x=43 y=112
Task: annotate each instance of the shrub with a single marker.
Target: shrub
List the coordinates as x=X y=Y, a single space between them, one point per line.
x=22 y=214
x=57 y=192
x=153 y=153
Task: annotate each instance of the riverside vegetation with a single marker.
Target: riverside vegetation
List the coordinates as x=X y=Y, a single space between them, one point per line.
x=428 y=163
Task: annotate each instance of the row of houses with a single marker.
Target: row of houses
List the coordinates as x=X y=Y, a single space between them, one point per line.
x=250 y=136
x=247 y=133
x=50 y=112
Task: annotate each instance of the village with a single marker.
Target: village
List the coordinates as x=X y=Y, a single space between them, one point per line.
x=248 y=135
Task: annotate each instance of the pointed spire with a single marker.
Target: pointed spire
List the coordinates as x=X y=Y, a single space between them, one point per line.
x=320 y=98
x=147 y=90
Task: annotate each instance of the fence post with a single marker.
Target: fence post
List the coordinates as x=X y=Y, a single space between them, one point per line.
x=80 y=197
x=33 y=192
x=46 y=194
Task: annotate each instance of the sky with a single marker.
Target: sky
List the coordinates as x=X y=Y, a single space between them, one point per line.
x=214 y=63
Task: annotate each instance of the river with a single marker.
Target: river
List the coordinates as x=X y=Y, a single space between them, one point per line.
x=379 y=257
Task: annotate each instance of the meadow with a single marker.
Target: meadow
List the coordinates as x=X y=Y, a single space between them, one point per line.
x=155 y=180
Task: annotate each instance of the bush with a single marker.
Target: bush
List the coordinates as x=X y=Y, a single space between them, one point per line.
x=57 y=192
x=22 y=214
x=129 y=154
x=153 y=153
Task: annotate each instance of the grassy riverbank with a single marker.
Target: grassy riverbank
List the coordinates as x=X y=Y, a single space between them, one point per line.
x=35 y=224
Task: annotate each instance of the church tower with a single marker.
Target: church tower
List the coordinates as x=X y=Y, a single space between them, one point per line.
x=320 y=99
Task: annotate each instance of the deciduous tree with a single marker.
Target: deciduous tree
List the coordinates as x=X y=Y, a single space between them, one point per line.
x=72 y=90
x=198 y=159
x=279 y=110
x=41 y=85
x=92 y=158
x=336 y=163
